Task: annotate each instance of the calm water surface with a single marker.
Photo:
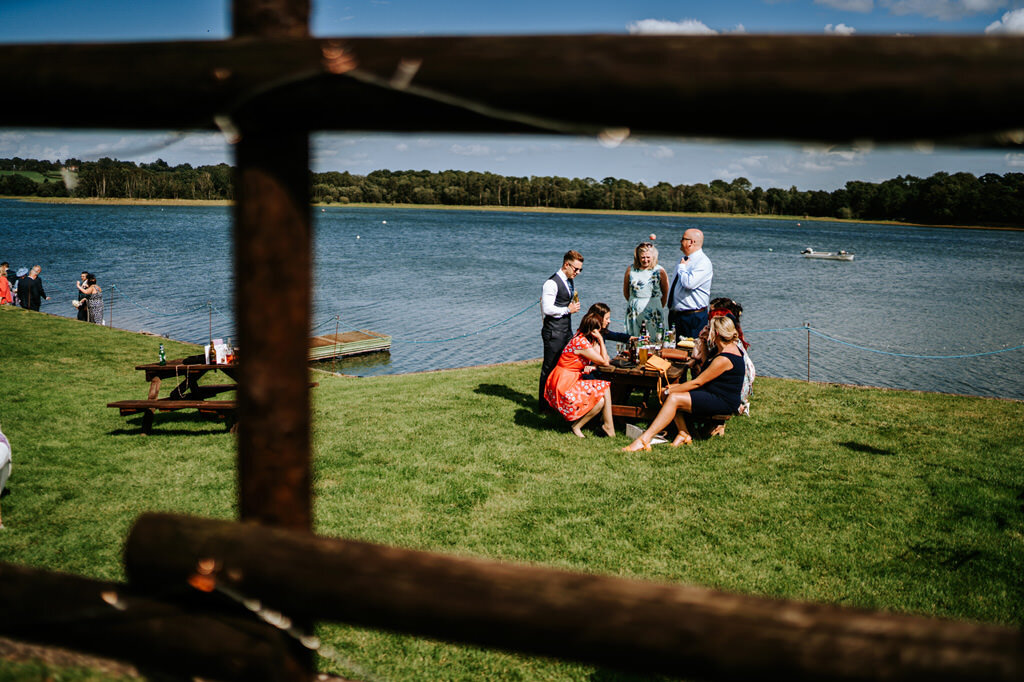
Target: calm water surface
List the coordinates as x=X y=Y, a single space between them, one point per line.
x=428 y=276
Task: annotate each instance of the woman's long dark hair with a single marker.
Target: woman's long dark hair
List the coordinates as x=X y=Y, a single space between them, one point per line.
x=592 y=321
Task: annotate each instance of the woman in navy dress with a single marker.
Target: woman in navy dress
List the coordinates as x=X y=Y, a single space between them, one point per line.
x=716 y=390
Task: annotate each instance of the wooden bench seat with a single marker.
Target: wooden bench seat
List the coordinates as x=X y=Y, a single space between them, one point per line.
x=221 y=408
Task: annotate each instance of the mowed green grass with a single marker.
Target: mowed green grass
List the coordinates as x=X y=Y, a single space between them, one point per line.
x=893 y=500
x=35 y=176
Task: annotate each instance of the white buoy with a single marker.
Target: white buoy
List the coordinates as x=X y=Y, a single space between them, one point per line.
x=357 y=236
x=653 y=236
x=384 y=222
x=769 y=250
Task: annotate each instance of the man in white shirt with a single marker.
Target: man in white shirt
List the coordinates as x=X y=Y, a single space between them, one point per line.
x=557 y=306
x=690 y=291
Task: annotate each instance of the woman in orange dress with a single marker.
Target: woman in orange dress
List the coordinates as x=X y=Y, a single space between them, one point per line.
x=5 y=286
x=577 y=399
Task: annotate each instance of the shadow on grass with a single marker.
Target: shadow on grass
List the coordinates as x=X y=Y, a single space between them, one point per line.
x=163 y=425
x=528 y=415
x=610 y=675
x=867 y=449
x=502 y=391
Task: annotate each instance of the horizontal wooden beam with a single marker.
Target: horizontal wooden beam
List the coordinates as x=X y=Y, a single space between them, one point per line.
x=109 y=619
x=764 y=87
x=672 y=629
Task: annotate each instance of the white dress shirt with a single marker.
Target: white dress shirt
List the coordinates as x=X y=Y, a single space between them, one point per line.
x=692 y=282
x=547 y=297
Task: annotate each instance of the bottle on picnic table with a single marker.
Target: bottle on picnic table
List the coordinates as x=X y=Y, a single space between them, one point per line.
x=644 y=339
x=163 y=356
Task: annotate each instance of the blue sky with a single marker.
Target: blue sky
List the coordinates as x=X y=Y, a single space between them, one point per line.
x=644 y=159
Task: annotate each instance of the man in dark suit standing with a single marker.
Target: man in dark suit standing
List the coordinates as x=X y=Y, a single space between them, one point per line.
x=557 y=304
x=30 y=289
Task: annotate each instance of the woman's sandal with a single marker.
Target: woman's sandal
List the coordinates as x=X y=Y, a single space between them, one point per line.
x=642 y=446
x=682 y=440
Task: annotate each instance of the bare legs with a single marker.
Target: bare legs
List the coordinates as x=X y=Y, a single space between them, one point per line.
x=582 y=421
x=608 y=426
x=604 y=406
x=668 y=413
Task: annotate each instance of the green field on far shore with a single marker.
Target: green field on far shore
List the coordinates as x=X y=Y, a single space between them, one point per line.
x=883 y=499
x=509 y=209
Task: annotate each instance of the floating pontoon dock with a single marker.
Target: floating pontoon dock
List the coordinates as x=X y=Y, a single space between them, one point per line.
x=330 y=346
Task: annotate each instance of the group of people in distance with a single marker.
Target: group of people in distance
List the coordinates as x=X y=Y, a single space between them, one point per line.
x=721 y=370
x=25 y=288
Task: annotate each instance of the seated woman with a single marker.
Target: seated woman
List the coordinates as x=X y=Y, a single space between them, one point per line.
x=605 y=313
x=716 y=390
x=577 y=399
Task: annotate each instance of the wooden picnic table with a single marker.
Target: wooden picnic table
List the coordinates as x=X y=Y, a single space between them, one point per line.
x=187 y=394
x=626 y=380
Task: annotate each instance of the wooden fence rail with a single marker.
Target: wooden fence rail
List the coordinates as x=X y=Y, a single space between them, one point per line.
x=671 y=629
x=112 y=620
x=764 y=87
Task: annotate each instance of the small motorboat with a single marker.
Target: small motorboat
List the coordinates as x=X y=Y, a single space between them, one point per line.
x=827 y=255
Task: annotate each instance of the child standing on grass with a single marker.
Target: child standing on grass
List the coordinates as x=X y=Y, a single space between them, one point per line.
x=5 y=466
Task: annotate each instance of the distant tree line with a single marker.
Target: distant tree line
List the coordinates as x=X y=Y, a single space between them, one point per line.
x=943 y=198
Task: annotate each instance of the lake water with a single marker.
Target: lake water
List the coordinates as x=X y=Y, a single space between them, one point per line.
x=427 y=277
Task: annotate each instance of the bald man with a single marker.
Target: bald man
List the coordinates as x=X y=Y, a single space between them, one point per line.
x=690 y=291
x=30 y=289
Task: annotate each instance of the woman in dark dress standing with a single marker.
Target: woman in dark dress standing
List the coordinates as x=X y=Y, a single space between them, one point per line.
x=716 y=390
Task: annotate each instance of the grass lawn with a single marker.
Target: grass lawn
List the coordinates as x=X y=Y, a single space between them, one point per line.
x=885 y=499
x=34 y=176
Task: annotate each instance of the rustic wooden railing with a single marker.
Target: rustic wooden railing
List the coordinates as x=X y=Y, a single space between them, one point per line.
x=266 y=89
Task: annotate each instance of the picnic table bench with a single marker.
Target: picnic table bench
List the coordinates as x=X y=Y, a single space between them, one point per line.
x=188 y=394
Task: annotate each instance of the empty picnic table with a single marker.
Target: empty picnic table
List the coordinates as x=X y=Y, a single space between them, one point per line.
x=187 y=394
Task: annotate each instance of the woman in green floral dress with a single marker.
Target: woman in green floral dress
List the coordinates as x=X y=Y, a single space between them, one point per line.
x=645 y=288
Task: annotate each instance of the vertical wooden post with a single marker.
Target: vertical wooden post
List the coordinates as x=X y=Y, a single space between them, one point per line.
x=273 y=262
x=807 y=325
x=273 y=276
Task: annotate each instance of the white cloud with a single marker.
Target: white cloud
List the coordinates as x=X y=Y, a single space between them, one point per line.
x=738 y=28
x=1011 y=22
x=840 y=30
x=848 y=5
x=663 y=27
x=401 y=147
x=659 y=152
x=819 y=159
x=470 y=149
x=1015 y=160
x=945 y=10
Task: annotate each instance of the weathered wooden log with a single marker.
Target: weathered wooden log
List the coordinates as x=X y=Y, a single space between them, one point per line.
x=112 y=620
x=672 y=629
x=746 y=86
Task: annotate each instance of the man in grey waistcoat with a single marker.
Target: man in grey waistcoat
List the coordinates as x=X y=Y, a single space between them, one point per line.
x=557 y=306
